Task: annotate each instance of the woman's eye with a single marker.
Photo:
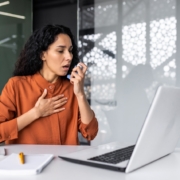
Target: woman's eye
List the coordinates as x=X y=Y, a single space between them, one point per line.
x=60 y=51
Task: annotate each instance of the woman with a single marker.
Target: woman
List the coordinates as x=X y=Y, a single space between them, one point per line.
x=39 y=105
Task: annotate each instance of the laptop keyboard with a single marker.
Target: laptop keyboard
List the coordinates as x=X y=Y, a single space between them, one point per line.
x=116 y=156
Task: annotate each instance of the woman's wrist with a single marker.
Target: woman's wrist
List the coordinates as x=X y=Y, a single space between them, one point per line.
x=36 y=113
x=81 y=96
x=27 y=118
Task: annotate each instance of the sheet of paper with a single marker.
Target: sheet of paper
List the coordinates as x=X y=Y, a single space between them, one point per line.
x=34 y=164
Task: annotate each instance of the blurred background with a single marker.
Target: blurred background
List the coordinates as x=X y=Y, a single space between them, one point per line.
x=130 y=48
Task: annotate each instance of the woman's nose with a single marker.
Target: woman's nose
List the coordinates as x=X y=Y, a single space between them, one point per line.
x=68 y=55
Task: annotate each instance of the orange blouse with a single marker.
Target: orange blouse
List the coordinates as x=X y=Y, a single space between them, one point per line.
x=20 y=95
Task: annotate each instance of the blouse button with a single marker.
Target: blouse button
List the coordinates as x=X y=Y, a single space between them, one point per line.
x=9 y=137
x=50 y=87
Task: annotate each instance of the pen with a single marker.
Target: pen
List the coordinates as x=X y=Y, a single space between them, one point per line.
x=21 y=157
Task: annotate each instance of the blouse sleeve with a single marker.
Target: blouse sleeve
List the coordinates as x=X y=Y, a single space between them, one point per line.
x=89 y=131
x=8 y=122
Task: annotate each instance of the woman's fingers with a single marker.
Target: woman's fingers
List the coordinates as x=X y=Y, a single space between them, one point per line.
x=57 y=97
x=75 y=75
x=80 y=69
x=76 y=72
x=59 y=104
x=58 y=110
x=59 y=101
x=83 y=67
x=49 y=106
x=43 y=94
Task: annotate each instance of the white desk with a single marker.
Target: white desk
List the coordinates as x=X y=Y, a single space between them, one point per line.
x=167 y=168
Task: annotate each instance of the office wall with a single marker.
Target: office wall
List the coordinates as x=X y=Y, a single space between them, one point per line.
x=55 y=12
x=131 y=47
x=15 y=28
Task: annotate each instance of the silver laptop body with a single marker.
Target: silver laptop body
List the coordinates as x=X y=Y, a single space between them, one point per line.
x=158 y=137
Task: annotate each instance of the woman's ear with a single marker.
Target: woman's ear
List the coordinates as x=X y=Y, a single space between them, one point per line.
x=43 y=56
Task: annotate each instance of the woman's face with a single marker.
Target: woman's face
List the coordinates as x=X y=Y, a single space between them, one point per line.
x=58 y=57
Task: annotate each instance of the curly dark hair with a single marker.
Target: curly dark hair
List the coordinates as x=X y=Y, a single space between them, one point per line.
x=30 y=61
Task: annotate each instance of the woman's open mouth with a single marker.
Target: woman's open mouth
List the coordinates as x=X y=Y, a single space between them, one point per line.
x=66 y=67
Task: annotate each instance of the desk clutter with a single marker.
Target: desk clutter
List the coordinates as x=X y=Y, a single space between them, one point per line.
x=2 y=151
x=33 y=164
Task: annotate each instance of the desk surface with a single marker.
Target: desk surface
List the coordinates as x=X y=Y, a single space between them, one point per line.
x=164 y=169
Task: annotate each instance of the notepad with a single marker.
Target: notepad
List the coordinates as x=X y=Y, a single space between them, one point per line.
x=34 y=164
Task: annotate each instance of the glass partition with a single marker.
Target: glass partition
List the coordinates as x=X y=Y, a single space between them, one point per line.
x=15 y=28
x=130 y=47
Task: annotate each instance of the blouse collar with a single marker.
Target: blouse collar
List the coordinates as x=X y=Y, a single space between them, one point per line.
x=44 y=84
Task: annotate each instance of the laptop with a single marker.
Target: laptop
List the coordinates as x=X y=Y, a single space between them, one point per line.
x=158 y=138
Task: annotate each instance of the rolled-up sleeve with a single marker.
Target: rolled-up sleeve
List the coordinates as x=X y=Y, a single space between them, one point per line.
x=8 y=130
x=8 y=122
x=89 y=131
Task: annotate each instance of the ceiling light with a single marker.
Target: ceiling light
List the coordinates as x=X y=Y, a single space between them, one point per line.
x=4 y=3
x=12 y=15
x=4 y=40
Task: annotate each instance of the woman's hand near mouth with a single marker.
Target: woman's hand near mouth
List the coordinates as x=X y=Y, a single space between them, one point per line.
x=77 y=78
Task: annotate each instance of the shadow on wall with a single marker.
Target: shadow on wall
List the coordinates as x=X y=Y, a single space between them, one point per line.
x=132 y=106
